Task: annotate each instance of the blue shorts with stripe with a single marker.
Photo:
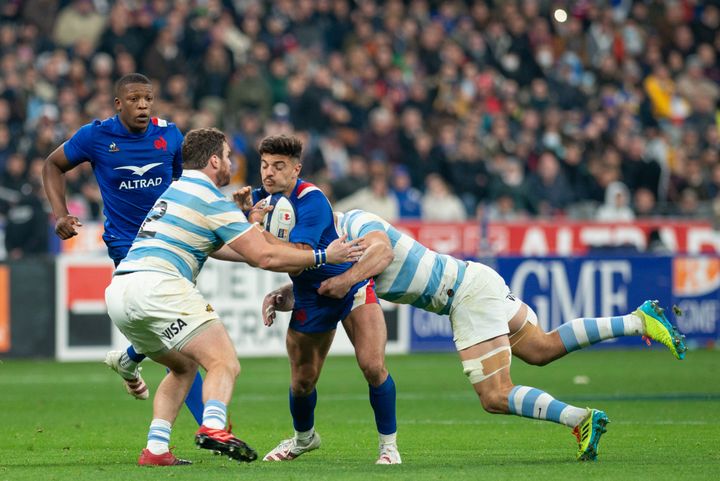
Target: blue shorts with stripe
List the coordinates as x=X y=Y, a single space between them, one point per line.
x=315 y=313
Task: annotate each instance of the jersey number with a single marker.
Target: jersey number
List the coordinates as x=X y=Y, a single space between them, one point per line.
x=156 y=213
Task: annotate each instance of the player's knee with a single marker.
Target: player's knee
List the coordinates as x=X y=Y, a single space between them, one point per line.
x=374 y=371
x=482 y=372
x=228 y=365
x=303 y=381
x=233 y=367
x=302 y=387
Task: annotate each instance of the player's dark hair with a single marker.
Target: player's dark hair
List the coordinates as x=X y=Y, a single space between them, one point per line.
x=131 y=78
x=201 y=144
x=281 y=145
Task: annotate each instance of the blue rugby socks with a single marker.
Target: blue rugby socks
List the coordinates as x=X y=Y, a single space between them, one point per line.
x=382 y=400
x=302 y=410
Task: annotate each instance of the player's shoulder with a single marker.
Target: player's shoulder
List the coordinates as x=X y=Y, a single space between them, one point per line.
x=161 y=123
x=92 y=131
x=307 y=192
x=164 y=125
x=357 y=216
x=305 y=188
x=258 y=193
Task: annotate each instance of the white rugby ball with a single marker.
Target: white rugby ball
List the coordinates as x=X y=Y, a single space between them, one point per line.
x=281 y=220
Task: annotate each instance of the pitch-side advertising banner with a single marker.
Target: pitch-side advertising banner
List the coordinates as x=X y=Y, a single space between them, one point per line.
x=537 y=238
x=85 y=332
x=562 y=289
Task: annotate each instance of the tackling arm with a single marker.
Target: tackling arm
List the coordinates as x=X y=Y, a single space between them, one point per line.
x=377 y=257
x=53 y=175
x=227 y=253
x=258 y=252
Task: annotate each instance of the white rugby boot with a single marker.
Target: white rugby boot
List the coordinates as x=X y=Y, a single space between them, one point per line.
x=289 y=449
x=389 y=454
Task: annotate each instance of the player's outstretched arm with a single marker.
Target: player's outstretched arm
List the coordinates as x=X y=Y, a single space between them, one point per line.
x=226 y=253
x=258 y=252
x=281 y=299
x=377 y=256
x=53 y=175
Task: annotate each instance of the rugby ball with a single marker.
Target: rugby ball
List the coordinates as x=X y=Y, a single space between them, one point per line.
x=281 y=220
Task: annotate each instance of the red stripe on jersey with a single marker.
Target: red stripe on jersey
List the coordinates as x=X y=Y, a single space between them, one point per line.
x=154 y=120
x=370 y=296
x=303 y=185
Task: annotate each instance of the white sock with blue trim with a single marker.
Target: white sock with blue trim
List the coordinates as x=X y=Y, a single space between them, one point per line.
x=529 y=402
x=159 y=436
x=215 y=414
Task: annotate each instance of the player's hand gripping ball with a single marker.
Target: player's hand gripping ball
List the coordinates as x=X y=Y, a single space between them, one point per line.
x=281 y=219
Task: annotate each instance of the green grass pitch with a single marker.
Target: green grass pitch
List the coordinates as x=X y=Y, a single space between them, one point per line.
x=75 y=422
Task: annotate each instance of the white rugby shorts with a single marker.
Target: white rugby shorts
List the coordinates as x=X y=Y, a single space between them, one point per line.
x=157 y=311
x=482 y=307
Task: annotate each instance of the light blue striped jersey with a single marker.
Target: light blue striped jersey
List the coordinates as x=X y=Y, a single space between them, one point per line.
x=417 y=275
x=190 y=220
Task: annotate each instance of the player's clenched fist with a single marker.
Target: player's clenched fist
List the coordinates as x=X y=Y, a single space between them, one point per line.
x=65 y=226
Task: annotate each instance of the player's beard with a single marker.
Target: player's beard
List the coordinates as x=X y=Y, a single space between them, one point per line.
x=223 y=176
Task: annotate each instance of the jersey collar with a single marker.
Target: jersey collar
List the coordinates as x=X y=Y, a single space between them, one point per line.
x=196 y=174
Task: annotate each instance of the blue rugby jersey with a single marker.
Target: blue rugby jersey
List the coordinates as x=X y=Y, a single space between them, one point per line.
x=132 y=170
x=314 y=226
x=188 y=222
x=417 y=275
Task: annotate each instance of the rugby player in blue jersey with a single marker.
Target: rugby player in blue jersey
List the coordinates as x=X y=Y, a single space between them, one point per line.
x=315 y=317
x=135 y=157
x=488 y=322
x=154 y=301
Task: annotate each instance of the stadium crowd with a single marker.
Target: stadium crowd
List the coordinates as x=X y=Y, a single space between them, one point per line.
x=447 y=110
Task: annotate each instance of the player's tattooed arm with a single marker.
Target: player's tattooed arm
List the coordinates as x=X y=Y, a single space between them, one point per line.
x=377 y=257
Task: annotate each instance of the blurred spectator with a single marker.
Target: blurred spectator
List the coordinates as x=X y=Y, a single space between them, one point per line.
x=376 y=198
x=617 y=204
x=249 y=92
x=79 y=21
x=26 y=226
x=357 y=178
x=549 y=187
x=644 y=204
x=439 y=203
x=408 y=197
x=510 y=192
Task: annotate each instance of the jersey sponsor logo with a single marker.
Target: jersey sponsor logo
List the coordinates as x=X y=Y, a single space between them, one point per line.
x=160 y=143
x=139 y=170
x=113 y=147
x=140 y=183
x=173 y=329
